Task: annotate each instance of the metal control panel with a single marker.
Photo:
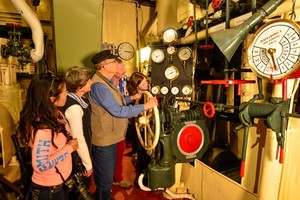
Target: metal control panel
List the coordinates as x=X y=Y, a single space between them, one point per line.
x=171 y=70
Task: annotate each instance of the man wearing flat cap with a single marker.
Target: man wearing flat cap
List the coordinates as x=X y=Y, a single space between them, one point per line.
x=110 y=111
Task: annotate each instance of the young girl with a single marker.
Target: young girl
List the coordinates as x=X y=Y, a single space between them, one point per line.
x=137 y=83
x=45 y=130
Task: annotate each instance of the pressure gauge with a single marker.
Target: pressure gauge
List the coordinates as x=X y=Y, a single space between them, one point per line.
x=155 y=90
x=170 y=36
x=157 y=55
x=125 y=51
x=185 y=53
x=164 y=90
x=171 y=50
x=171 y=73
x=274 y=50
x=187 y=90
x=174 y=90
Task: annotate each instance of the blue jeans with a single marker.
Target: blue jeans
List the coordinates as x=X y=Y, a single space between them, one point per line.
x=37 y=192
x=104 y=162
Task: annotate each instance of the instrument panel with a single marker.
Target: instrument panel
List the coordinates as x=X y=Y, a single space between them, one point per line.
x=171 y=70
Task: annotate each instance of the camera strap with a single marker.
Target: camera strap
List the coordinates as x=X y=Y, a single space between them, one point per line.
x=60 y=174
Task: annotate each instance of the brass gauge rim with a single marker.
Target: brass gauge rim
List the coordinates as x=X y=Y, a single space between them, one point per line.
x=157 y=59
x=260 y=58
x=176 y=90
x=158 y=89
x=164 y=88
x=170 y=52
x=185 y=87
x=171 y=73
x=182 y=57
x=170 y=36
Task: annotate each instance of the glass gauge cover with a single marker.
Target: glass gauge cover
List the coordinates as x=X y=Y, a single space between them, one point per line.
x=125 y=51
x=157 y=55
x=171 y=50
x=174 y=90
x=187 y=90
x=155 y=90
x=170 y=36
x=274 y=51
x=164 y=90
x=185 y=53
x=171 y=73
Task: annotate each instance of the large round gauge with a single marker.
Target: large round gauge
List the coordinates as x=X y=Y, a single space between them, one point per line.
x=171 y=73
x=155 y=90
x=274 y=50
x=170 y=36
x=185 y=53
x=187 y=90
x=125 y=51
x=157 y=55
x=164 y=90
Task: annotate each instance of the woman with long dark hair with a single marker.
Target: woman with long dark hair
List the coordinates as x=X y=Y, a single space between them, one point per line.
x=137 y=83
x=44 y=129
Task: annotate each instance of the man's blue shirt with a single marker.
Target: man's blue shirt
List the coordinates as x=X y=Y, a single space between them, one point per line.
x=103 y=97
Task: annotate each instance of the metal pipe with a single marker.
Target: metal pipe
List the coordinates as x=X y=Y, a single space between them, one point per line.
x=281 y=9
x=30 y=17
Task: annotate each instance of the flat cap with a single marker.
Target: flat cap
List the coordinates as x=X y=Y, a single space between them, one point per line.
x=103 y=55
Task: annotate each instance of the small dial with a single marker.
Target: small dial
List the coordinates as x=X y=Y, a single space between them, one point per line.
x=170 y=36
x=185 y=53
x=164 y=90
x=174 y=90
x=171 y=73
x=187 y=90
x=171 y=50
x=157 y=55
x=155 y=90
x=125 y=51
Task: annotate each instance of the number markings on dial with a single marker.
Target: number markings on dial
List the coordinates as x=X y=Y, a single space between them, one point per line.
x=157 y=55
x=125 y=51
x=284 y=41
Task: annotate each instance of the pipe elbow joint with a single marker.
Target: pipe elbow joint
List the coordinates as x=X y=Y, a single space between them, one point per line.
x=37 y=54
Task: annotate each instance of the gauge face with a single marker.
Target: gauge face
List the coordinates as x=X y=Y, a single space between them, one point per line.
x=187 y=90
x=171 y=73
x=125 y=51
x=171 y=50
x=185 y=53
x=155 y=90
x=164 y=90
x=174 y=90
x=157 y=55
x=170 y=36
x=275 y=49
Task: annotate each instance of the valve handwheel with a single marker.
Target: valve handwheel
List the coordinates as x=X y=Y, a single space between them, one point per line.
x=144 y=125
x=209 y=109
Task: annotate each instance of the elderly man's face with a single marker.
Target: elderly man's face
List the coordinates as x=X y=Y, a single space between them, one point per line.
x=120 y=70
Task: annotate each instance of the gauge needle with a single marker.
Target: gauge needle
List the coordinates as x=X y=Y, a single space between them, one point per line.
x=271 y=51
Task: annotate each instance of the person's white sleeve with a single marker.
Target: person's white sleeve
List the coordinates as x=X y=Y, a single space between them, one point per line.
x=74 y=115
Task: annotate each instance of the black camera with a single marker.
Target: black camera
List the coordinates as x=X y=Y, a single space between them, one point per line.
x=77 y=188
